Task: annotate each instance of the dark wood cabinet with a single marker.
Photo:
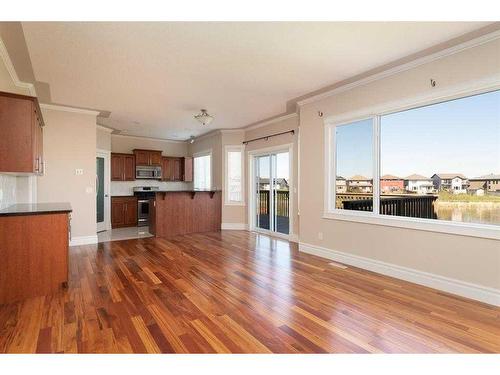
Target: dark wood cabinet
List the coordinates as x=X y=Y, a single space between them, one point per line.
x=147 y=157
x=21 y=129
x=177 y=169
x=122 y=167
x=123 y=212
x=188 y=169
x=34 y=253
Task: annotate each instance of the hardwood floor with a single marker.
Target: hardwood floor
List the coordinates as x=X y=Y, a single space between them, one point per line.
x=238 y=292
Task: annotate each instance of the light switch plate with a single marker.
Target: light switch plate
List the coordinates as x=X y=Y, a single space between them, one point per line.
x=78 y=171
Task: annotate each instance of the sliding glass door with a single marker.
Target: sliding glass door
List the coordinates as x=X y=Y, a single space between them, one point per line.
x=272 y=194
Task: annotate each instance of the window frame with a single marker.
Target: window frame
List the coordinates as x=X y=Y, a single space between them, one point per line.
x=227 y=150
x=201 y=154
x=375 y=218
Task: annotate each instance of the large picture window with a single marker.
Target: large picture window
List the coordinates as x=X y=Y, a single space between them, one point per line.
x=234 y=175
x=202 y=171
x=435 y=163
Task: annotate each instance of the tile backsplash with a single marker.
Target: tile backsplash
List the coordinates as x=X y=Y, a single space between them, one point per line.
x=125 y=187
x=7 y=190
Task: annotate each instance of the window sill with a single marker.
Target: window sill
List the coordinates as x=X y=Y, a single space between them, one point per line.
x=234 y=204
x=439 y=226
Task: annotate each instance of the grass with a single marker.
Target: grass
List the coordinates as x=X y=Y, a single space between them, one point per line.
x=448 y=197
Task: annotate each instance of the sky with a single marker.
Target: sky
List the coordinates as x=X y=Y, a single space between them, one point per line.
x=459 y=136
x=282 y=166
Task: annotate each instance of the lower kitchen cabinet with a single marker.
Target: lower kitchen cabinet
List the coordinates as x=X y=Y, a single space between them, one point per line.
x=123 y=212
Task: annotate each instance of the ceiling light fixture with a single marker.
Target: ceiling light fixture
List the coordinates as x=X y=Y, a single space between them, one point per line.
x=204 y=117
x=191 y=139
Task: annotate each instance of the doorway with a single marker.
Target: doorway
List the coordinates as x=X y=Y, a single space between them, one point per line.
x=102 y=190
x=271 y=186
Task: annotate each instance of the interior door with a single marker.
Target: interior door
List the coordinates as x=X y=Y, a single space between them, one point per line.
x=100 y=194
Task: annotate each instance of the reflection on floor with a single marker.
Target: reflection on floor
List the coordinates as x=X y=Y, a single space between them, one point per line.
x=118 y=234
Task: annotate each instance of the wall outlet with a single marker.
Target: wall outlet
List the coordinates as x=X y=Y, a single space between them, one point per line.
x=320 y=235
x=78 y=171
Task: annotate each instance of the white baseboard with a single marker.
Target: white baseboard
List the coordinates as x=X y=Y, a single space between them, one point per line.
x=83 y=240
x=454 y=286
x=234 y=226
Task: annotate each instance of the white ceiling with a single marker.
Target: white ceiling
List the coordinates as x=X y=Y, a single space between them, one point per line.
x=154 y=77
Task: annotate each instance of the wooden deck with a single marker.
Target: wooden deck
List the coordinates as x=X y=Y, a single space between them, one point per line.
x=238 y=292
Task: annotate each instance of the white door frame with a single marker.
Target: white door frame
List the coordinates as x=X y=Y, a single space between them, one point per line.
x=106 y=154
x=251 y=188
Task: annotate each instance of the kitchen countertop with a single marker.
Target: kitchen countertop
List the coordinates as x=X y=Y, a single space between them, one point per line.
x=36 y=209
x=188 y=191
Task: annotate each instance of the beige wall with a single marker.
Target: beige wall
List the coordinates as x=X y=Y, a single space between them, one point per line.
x=69 y=143
x=273 y=128
x=125 y=144
x=468 y=259
x=103 y=139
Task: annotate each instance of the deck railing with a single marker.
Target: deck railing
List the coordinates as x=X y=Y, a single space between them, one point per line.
x=421 y=206
x=282 y=202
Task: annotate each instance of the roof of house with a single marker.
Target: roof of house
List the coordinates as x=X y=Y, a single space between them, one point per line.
x=390 y=177
x=490 y=176
x=340 y=178
x=359 y=177
x=476 y=185
x=449 y=176
x=417 y=177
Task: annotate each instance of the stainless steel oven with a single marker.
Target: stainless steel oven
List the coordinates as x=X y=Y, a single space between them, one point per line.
x=144 y=194
x=147 y=172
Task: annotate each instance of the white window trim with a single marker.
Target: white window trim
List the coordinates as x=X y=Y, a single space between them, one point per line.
x=227 y=149
x=205 y=153
x=440 y=226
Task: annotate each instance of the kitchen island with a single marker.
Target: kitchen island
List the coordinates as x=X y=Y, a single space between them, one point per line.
x=187 y=211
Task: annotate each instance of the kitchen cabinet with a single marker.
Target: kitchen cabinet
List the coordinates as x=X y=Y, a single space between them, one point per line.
x=34 y=243
x=21 y=127
x=123 y=212
x=177 y=169
x=188 y=169
x=147 y=157
x=122 y=167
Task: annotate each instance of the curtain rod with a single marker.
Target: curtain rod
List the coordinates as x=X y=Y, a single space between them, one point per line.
x=268 y=136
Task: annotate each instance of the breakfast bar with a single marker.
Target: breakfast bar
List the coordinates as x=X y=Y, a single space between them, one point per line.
x=187 y=211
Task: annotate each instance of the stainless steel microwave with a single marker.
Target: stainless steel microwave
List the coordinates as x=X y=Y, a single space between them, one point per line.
x=147 y=172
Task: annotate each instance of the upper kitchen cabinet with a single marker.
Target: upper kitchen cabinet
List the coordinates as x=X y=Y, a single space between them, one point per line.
x=188 y=169
x=177 y=169
x=122 y=167
x=147 y=157
x=21 y=129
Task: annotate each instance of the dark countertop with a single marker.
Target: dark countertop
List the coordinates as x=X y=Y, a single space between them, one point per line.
x=36 y=209
x=188 y=191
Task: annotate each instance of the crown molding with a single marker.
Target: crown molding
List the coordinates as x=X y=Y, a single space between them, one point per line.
x=271 y=121
x=62 y=108
x=105 y=129
x=149 y=138
x=4 y=54
x=403 y=67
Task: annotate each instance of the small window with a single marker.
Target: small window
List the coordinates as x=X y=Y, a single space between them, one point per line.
x=234 y=175
x=202 y=171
